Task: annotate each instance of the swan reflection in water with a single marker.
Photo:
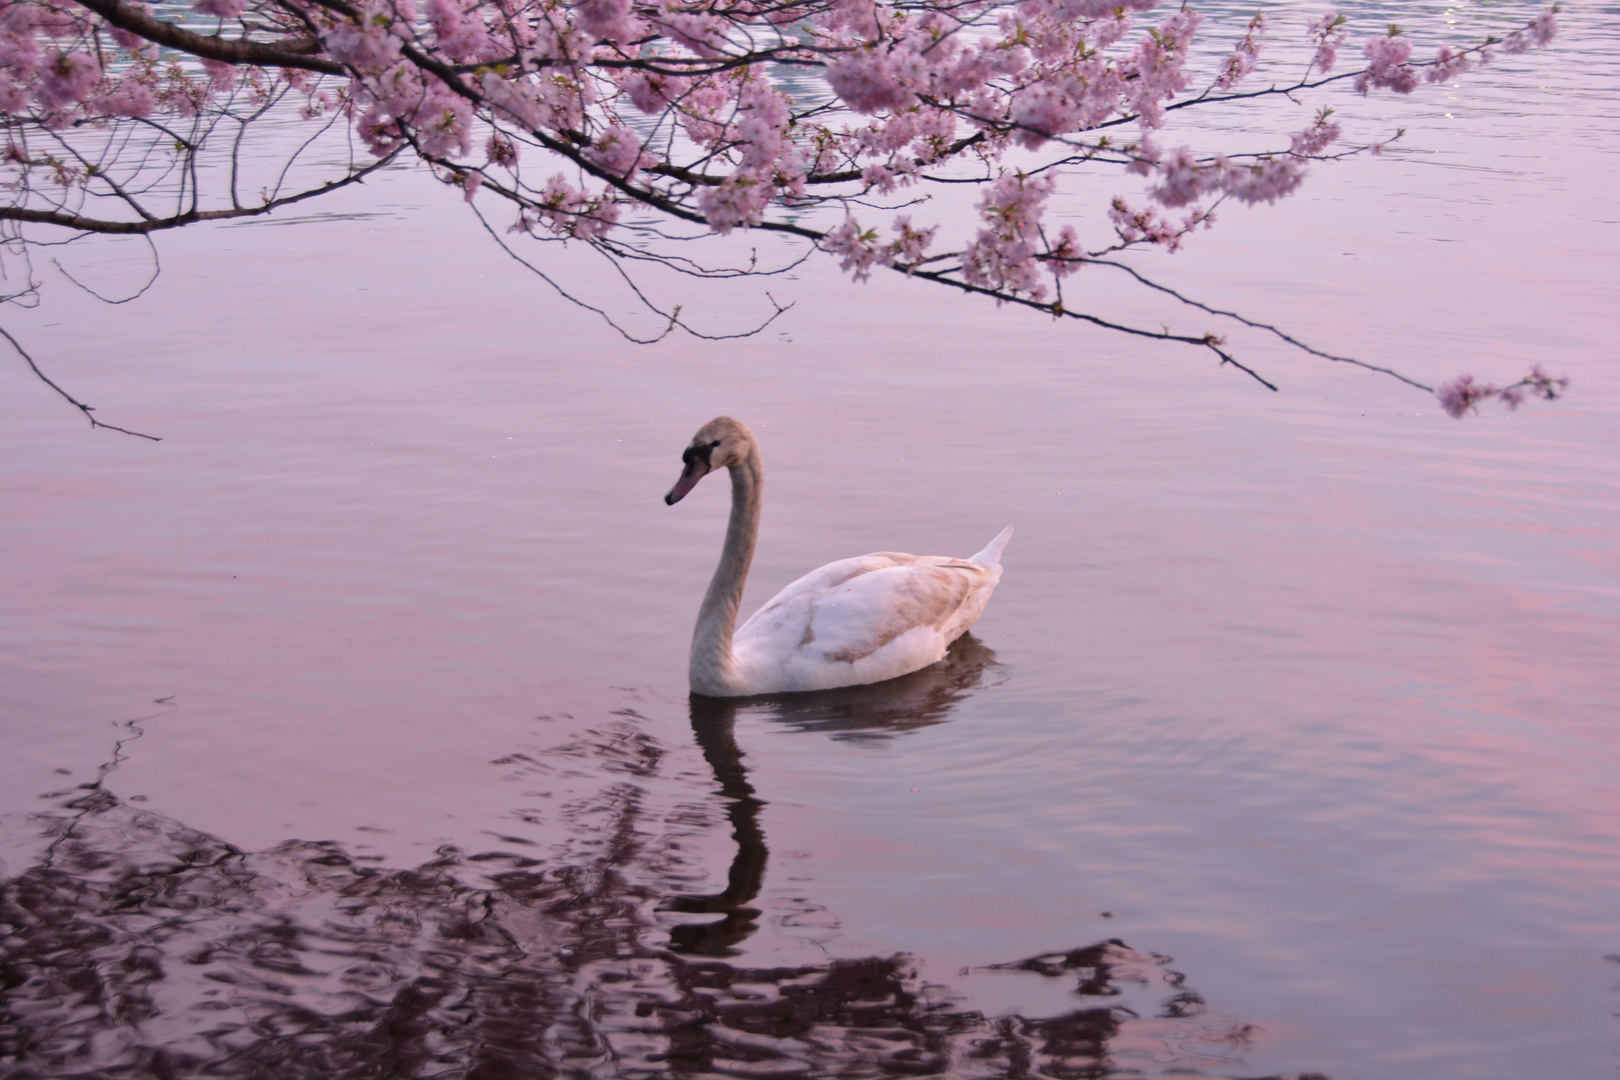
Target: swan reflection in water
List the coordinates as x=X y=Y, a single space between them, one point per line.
x=875 y=711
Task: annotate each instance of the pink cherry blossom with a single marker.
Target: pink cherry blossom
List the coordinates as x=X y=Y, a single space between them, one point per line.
x=1181 y=179
x=66 y=78
x=442 y=120
x=1147 y=225
x=738 y=201
x=1002 y=256
x=1448 y=64
x=1156 y=71
x=857 y=248
x=866 y=82
x=568 y=211
x=858 y=17
x=1329 y=33
x=652 y=91
x=221 y=76
x=499 y=150
x=1042 y=111
x=368 y=44
x=608 y=20
x=1265 y=180
x=133 y=42
x=379 y=132
x=1462 y=395
x=19 y=42
x=762 y=116
x=1387 y=66
x=218 y=9
x=131 y=98
x=1244 y=56
x=703 y=33
x=511 y=101
x=1316 y=138
x=1065 y=256
x=1547 y=387
x=1540 y=32
x=1068 y=10
x=459 y=32
x=911 y=243
x=618 y=151
x=13 y=98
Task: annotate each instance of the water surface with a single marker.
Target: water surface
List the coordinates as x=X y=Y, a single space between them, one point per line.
x=1304 y=701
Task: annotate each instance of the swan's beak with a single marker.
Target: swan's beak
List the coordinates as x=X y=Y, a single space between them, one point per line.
x=694 y=472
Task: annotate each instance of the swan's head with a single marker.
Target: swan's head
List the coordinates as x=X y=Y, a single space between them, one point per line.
x=721 y=443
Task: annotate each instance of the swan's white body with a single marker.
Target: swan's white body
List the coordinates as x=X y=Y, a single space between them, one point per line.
x=865 y=619
x=854 y=621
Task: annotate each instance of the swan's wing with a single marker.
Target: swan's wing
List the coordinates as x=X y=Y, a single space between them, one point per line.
x=862 y=620
x=780 y=624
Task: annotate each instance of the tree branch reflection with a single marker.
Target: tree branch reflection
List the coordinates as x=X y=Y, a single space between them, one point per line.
x=137 y=946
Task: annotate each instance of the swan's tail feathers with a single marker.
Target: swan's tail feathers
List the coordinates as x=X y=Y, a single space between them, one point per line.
x=991 y=555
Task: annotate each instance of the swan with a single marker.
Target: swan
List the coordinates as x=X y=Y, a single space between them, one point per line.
x=851 y=622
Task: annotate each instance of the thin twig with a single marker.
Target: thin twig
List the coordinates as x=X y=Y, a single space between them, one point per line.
x=1295 y=342
x=1208 y=341
x=157 y=270
x=69 y=398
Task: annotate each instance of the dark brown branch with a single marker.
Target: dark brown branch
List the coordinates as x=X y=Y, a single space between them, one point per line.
x=190 y=217
x=296 y=53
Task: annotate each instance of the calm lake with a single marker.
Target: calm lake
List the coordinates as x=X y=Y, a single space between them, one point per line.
x=346 y=730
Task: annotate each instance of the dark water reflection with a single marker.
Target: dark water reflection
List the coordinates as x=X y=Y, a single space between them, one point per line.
x=918 y=700
x=855 y=712
x=714 y=723
x=136 y=946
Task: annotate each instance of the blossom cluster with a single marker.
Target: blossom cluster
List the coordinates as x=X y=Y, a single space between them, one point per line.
x=1147 y=225
x=1462 y=395
x=859 y=249
x=1002 y=256
x=918 y=91
x=1244 y=57
x=1328 y=33
x=785 y=114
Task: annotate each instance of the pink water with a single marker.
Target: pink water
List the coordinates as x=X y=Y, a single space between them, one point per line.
x=1315 y=692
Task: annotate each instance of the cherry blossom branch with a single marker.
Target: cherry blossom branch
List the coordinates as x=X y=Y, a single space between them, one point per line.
x=1462 y=395
x=917 y=92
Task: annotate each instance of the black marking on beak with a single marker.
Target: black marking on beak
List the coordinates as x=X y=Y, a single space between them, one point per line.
x=696 y=462
x=693 y=454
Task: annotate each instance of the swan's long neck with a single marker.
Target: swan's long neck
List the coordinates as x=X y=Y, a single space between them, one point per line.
x=713 y=669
